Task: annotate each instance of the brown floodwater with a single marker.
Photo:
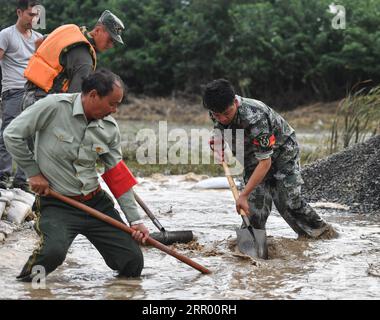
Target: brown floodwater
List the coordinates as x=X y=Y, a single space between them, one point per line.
x=298 y=269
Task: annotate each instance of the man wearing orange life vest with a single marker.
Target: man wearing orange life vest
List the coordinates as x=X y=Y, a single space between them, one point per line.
x=67 y=56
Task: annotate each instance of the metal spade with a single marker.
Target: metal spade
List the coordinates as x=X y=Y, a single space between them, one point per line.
x=250 y=241
x=165 y=237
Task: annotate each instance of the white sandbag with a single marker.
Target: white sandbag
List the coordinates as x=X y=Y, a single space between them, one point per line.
x=192 y=177
x=23 y=196
x=3 y=204
x=18 y=211
x=214 y=183
x=6 y=227
x=8 y=194
x=4 y=201
x=329 y=205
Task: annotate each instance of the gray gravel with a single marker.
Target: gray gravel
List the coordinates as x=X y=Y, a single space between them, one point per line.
x=351 y=177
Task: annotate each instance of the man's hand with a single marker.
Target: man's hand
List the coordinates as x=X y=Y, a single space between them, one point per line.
x=141 y=233
x=39 y=185
x=242 y=204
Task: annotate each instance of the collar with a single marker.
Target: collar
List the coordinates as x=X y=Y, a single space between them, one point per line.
x=236 y=119
x=85 y=32
x=239 y=99
x=79 y=111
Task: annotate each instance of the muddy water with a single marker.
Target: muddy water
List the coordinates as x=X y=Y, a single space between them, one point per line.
x=334 y=269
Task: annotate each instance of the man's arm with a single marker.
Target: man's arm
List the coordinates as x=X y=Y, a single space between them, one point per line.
x=4 y=41
x=256 y=178
x=78 y=66
x=27 y=124
x=112 y=160
x=263 y=139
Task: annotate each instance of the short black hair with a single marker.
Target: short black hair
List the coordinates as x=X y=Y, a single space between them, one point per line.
x=25 y=4
x=102 y=81
x=218 y=95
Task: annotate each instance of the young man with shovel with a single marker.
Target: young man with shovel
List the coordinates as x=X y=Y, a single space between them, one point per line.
x=271 y=161
x=72 y=132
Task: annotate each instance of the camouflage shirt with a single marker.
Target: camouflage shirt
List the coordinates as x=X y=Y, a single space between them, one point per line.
x=265 y=131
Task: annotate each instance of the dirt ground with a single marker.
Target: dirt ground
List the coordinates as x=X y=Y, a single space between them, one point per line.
x=190 y=110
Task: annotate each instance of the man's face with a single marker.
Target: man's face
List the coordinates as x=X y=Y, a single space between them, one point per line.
x=103 y=40
x=27 y=16
x=99 y=107
x=228 y=115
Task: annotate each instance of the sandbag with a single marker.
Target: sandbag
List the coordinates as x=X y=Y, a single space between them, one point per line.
x=3 y=204
x=5 y=200
x=8 y=194
x=7 y=228
x=214 y=183
x=25 y=197
x=18 y=211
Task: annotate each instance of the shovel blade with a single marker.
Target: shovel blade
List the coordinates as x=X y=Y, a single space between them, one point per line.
x=255 y=247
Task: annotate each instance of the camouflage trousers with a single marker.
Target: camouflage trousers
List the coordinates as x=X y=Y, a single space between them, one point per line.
x=30 y=97
x=282 y=186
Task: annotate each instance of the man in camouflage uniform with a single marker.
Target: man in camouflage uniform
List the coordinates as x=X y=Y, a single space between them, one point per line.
x=271 y=160
x=77 y=61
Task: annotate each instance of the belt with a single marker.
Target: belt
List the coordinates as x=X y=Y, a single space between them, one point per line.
x=87 y=197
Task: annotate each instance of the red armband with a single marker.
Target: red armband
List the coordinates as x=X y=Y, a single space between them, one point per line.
x=119 y=179
x=265 y=141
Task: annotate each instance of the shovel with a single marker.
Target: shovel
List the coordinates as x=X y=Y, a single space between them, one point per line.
x=250 y=241
x=165 y=237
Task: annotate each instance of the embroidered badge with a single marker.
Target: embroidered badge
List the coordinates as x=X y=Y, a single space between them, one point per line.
x=265 y=141
x=99 y=150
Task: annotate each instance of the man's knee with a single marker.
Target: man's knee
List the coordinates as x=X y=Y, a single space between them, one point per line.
x=132 y=265
x=259 y=210
x=46 y=261
x=54 y=256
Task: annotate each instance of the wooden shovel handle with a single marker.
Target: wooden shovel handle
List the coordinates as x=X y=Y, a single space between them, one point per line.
x=101 y=216
x=232 y=184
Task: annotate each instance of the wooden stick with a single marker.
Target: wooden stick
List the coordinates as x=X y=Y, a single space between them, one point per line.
x=232 y=185
x=101 y=216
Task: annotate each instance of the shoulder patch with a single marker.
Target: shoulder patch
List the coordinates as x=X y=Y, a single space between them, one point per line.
x=265 y=141
x=69 y=97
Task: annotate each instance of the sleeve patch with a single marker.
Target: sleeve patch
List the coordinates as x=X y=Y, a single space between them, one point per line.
x=265 y=141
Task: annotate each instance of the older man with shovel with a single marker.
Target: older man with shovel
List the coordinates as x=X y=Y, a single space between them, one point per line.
x=72 y=132
x=271 y=166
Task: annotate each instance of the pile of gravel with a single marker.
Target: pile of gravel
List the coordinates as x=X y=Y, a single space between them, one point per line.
x=351 y=177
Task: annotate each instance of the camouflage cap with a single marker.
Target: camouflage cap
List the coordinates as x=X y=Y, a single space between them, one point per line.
x=113 y=24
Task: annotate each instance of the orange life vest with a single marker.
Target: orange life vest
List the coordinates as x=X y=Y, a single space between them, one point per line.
x=45 y=65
